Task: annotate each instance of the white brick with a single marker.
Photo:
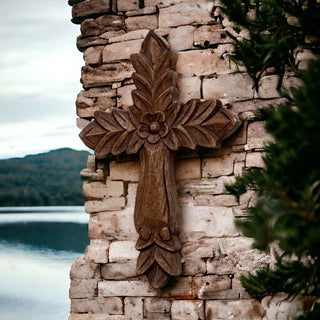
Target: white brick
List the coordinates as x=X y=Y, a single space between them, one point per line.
x=82 y=269
x=181 y=38
x=184 y=309
x=231 y=87
x=83 y=288
x=121 y=50
x=200 y=63
x=133 y=308
x=189 y=88
x=230 y=310
x=142 y=22
x=185 y=14
x=118 y=271
x=223 y=200
x=215 y=167
x=126 y=171
x=131 y=35
x=122 y=251
x=188 y=169
x=100 y=190
x=205 y=186
x=114 y=226
x=108 y=306
x=200 y=222
x=257 y=135
x=98 y=251
x=132 y=288
x=254 y=159
x=108 y=204
x=194 y=267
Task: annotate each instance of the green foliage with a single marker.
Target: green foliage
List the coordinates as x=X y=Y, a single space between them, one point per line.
x=46 y=179
x=278 y=30
x=287 y=212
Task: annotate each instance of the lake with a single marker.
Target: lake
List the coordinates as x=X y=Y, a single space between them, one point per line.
x=37 y=248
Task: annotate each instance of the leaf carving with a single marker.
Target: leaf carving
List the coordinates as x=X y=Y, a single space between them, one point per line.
x=203 y=123
x=155 y=79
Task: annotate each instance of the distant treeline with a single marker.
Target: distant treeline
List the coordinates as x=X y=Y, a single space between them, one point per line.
x=47 y=179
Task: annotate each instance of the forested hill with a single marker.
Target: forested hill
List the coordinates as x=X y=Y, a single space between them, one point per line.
x=46 y=179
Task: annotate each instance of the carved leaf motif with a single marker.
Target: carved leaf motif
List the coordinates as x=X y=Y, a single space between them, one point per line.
x=109 y=134
x=155 y=78
x=203 y=124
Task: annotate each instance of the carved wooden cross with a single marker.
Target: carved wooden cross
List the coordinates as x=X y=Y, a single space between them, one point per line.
x=155 y=127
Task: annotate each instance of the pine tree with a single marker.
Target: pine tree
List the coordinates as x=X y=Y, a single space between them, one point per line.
x=287 y=212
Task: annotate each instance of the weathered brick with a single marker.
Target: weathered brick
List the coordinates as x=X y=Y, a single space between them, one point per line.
x=257 y=135
x=97 y=251
x=93 y=55
x=232 y=87
x=130 y=288
x=209 y=222
x=185 y=14
x=108 y=204
x=105 y=74
x=200 y=63
x=205 y=186
x=186 y=309
x=188 y=169
x=122 y=251
x=189 y=88
x=99 y=305
x=100 y=190
x=279 y=307
x=124 y=99
x=120 y=50
x=235 y=256
x=119 y=271
x=113 y=225
x=181 y=38
x=206 y=35
x=86 y=8
x=194 y=267
x=105 y=23
x=215 y=167
x=82 y=269
x=224 y=200
x=76 y=316
x=126 y=171
x=126 y=5
x=142 y=12
x=83 y=288
x=268 y=87
x=131 y=35
x=94 y=99
x=142 y=22
x=239 y=309
x=254 y=159
x=133 y=308
x=157 y=305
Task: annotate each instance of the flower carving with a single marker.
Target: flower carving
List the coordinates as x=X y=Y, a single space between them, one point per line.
x=153 y=127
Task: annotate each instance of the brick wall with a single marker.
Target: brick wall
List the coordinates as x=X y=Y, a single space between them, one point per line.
x=214 y=254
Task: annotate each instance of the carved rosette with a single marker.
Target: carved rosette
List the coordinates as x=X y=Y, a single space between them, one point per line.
x=155 y=127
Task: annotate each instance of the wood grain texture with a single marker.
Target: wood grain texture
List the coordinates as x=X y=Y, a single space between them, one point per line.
x=156 y=127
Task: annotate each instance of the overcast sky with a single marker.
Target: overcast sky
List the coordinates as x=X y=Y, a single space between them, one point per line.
x=39 y=77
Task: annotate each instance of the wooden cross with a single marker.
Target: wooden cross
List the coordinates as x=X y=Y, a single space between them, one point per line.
x=155 y=127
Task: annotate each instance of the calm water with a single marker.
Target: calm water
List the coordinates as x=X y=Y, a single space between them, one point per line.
x=37 y=248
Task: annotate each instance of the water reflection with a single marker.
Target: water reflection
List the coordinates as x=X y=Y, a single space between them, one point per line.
x=35 y=260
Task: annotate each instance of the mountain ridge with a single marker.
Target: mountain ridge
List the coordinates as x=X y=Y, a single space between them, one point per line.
x=45 y=179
